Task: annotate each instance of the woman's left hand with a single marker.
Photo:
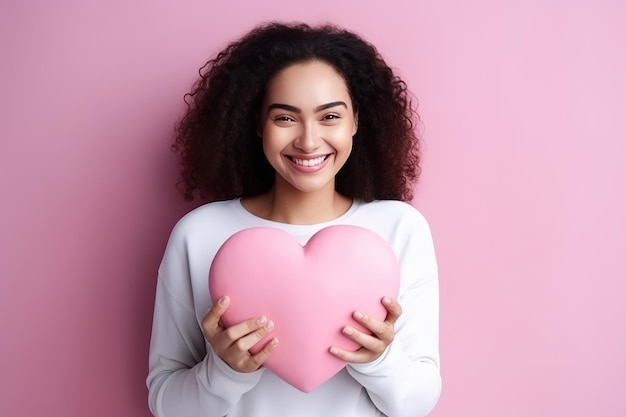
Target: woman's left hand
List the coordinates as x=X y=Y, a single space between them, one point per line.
x=372 y=346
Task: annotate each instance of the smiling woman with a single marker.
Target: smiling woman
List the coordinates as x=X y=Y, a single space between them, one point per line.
x=297 y=128
x=222 y=120
x=309 y=139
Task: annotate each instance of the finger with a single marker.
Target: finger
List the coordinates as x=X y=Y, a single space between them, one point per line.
x=211 y=322
x=248 y=341
x=372 y=343
x=248 y=327
x=259 y=358
x=394 y=310
x=372 y=324
x=360 y=356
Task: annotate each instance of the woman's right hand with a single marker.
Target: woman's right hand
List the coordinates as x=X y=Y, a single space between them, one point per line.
x=233 y=343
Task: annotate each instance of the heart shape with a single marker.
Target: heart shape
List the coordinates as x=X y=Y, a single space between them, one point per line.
x=308 y=292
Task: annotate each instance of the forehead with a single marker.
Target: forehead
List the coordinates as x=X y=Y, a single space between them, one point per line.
x=309 y=83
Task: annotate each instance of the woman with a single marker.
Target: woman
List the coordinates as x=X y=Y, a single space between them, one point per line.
x=297 y=128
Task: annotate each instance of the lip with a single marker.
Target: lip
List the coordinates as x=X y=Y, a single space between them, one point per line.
x=307 y=168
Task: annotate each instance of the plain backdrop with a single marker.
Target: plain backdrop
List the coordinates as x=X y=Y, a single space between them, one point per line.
x=522 y=106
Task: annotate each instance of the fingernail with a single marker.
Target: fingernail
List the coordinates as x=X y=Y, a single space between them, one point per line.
x=348 y=330
x=386 y=300
x=261 y=320
x=333 y=350
x=270 y=325
x=358 y=315
x=223 y=301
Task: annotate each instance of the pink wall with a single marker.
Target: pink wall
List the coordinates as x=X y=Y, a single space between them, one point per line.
x=523 y=105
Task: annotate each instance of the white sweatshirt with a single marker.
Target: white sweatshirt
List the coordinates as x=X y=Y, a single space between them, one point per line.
x=187 y=379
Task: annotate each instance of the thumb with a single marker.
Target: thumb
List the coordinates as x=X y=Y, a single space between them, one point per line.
x=211 y=322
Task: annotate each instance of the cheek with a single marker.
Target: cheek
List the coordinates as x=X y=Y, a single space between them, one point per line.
x=273 y=143
x=348 y=143
x=343 y=137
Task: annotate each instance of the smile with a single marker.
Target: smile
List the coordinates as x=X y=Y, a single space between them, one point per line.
x=309 y=162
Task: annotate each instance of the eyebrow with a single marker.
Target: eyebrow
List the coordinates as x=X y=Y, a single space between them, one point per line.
x=295 y=109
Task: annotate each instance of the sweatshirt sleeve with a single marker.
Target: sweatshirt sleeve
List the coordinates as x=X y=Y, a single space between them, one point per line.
x=405 y=380
x=185 y=376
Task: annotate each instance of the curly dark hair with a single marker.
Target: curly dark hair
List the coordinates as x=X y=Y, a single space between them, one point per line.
x=221 y=154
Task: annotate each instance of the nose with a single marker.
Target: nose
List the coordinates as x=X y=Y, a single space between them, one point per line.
x=308 y=139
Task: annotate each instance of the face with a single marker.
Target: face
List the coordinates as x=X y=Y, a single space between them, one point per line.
x=307 y=122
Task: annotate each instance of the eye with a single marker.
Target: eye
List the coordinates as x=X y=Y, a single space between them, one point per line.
x=284 y=119
x=332 y=116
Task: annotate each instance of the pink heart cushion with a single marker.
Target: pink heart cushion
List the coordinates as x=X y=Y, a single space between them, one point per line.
x=308 y=292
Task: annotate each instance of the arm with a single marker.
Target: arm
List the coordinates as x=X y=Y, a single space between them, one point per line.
x=185 y=379
x=186 y=376
x=401 y=371
x=405 y=379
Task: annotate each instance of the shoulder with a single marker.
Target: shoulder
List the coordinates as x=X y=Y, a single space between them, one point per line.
x=406 y=230
x=208 y=217
x=217 y=211
x=198 y=235
x=392 y=211
x=399 y=223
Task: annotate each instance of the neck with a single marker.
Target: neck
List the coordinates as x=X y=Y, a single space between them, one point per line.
x=286 y=205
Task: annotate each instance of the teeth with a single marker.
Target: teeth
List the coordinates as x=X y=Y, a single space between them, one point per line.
x=309 y=162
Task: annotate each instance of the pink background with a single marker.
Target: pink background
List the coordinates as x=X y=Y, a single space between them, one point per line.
x=523 y=107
